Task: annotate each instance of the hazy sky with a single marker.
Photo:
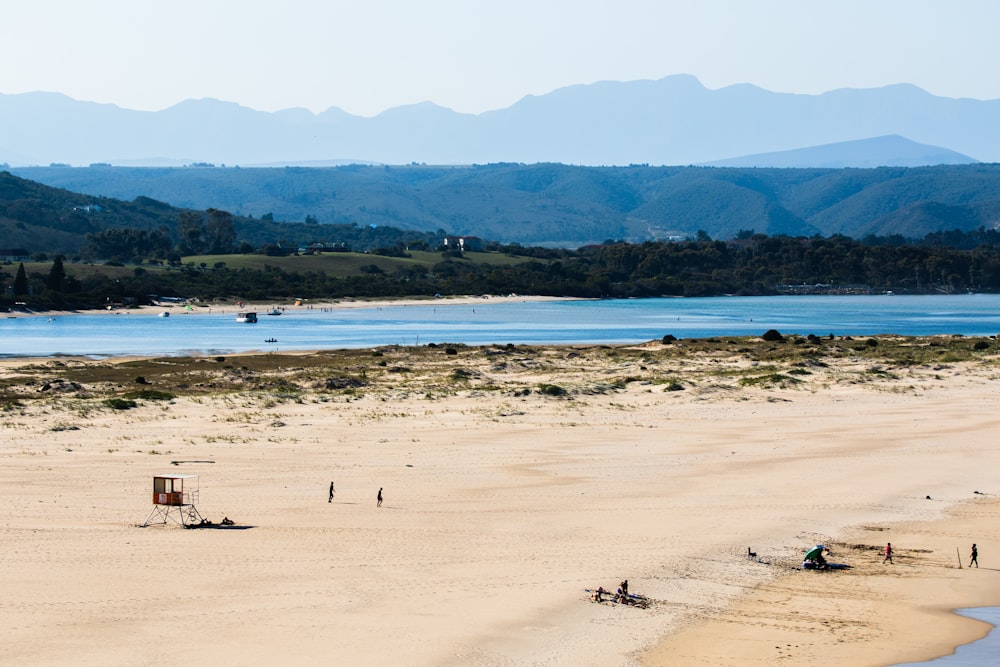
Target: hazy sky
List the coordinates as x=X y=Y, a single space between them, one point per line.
x=365 y=56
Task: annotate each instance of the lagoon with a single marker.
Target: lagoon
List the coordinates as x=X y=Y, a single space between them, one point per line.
x=982 y=653
x=119 y=333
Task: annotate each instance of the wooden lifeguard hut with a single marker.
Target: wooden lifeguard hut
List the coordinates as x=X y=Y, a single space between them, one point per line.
x=175 y=498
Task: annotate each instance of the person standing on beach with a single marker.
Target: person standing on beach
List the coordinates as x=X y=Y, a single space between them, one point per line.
x=888 y=554
x=379 y=503
x=330 y=499
x=975 y=556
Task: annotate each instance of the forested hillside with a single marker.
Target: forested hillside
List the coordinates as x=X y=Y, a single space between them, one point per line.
x=44 y=220
x=558 y=205
x=122 y=252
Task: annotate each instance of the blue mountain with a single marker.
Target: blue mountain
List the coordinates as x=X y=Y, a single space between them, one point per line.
x=669 y=121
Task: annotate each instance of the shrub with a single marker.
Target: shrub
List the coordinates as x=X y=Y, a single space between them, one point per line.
x=150 y=395
x=120 y=403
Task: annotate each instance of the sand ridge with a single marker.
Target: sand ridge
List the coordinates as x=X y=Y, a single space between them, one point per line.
x=515 y=477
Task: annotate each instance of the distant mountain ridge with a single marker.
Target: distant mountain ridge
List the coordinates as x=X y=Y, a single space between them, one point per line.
x=892 y=150
x=670 y=121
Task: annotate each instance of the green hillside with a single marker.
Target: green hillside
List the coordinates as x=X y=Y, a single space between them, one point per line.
x=562 y=205
x=55 y=221
x=93 y=251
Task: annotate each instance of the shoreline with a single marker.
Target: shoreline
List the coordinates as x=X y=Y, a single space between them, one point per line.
x=263 y=306
x=914 y=616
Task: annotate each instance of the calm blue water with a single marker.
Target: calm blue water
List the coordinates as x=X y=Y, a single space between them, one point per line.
x=983 y=653
x=485 y=322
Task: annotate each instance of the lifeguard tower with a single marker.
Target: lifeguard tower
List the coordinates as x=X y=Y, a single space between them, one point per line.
x=174 y=499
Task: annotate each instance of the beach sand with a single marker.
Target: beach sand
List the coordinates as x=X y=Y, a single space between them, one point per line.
x=514 y=479
x=194 y=307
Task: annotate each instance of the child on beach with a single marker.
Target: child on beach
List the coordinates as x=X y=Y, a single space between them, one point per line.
x=888 y=554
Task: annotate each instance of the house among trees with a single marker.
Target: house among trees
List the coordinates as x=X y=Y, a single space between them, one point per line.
x=470 y=243
x=14 y=255
x=319 y=247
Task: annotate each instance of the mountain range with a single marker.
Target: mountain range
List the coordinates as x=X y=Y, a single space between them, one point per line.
x=670 y=121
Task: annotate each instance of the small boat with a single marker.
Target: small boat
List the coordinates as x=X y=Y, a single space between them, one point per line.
x=164 y=314
x=270 y=340
x=274 y=311
x=246 y=318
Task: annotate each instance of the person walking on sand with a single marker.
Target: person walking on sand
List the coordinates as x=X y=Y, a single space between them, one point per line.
x=330 y=499
x=975 y=556
x=888 y=554
x=379 y=503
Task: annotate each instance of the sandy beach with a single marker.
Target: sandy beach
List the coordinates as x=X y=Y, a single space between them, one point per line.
x=185 y=308
x=514 y=478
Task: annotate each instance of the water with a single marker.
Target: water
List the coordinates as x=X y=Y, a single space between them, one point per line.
x=487 y=322
x=983 y=653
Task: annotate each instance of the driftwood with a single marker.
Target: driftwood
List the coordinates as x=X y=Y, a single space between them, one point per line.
x=629 y=600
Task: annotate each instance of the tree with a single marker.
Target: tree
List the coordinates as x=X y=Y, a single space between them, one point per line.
x=192 y=230
x=220 y=231
x=20 y=281
x=57 y=275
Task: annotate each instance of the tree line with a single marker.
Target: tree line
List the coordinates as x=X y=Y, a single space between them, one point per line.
x=753 y=264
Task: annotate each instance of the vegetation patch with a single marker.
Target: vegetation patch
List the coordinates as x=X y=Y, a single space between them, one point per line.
x=64 y=427
x=150 y=395
x=725 y=363
x=120 y=403
x=462 y=374
x=336 y=383
x=769 y=380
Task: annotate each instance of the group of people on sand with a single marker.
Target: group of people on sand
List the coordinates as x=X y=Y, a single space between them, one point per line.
x=378 y=498
x=973 y=560
x=621 y=597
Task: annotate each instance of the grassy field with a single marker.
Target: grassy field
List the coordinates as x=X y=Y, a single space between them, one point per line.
x=342 y=264
x=338 y=265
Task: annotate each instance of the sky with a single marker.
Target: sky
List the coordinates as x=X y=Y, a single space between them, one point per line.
x=366 y=56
